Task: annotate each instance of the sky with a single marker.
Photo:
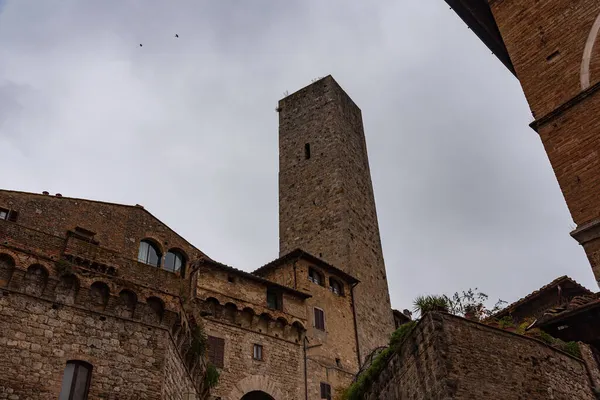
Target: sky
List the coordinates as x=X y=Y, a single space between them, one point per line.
x=187 y=127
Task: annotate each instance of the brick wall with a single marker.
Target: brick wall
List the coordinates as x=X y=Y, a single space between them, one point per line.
x=451 y=357
x=326 y=202
x=546 y=42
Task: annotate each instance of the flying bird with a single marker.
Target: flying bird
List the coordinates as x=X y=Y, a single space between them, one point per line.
x=140 y=45
x=176 y=35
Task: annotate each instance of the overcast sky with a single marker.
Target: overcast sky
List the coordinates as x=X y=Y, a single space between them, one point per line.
x=187 y=127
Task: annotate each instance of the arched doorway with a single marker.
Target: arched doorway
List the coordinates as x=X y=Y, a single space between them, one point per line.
x=257 y=395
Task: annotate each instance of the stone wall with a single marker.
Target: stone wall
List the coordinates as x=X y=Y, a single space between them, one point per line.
x=280 y=373
x=129 y=358
x=326 y=202
x=451 y=357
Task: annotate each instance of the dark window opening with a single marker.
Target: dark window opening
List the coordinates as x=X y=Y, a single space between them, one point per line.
x=336 y=287
x=258 y=352
x=8 y=215
x=230 y=279
x=149 y=253
x=274 y=300
x=174 y=261
x=319 y=319
x=315 y=277
x=338 y=362
x=76 y=381
x=325 y=391
x=307 y=151
x=216 y=351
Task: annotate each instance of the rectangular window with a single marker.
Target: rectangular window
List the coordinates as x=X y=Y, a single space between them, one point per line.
x=307 y=151
x=216 y=351
x=76 y=381
x=274 y=300
x=8 y=215
x=257 y=355
x=319 y=319
x=325 y=391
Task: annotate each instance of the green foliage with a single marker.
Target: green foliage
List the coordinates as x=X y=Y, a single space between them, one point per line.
x=199 y=341
x=425 y=304
x=357 y=390
x=211 y=376
x=572 y=348
x=505 y=322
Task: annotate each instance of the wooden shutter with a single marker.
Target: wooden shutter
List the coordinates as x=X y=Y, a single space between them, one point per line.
x=325 y=391
x=319 y=319
x=216 y=351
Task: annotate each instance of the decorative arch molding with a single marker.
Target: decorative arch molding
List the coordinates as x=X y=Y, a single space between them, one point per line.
x=255 y=383
x=587 y=53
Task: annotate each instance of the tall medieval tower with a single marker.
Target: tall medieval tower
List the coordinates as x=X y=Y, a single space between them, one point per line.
x=326 y=202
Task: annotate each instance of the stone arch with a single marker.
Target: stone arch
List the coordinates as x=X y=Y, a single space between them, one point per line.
x=7 y=267
x=99 y=295
x=257 y=395
x=247 y=316
x=126 y=304
x=230 y=312
x=36 y=279
x=587 y=53
x=263 y=322
x=256 y=383
x=155 y=310
x=211 y=307
x=66 y=289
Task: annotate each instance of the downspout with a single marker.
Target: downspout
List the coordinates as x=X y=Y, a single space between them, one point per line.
x=305 y=370
x=355 y=324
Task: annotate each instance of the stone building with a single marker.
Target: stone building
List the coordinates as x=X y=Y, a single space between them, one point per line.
x=104 y=301
x=553 y=48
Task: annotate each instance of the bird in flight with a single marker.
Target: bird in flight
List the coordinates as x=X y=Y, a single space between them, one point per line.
x=176 y=35
x=140 y=45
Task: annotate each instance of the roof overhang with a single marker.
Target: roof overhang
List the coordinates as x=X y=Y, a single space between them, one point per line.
x=478 y=16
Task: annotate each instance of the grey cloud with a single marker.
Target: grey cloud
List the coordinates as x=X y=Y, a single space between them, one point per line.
x=186 y=127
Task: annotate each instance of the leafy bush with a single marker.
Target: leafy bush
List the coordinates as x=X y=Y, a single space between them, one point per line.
x=211 y=376
x=425 y=304
x=199 y=341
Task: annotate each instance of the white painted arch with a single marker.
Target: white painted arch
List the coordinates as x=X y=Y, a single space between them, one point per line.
x=587 y=54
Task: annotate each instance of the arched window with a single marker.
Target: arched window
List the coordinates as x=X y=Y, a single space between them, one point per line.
x=336 y=287
x=315 y=277
x=76 y=381
x=174 y=261
x=149 y=253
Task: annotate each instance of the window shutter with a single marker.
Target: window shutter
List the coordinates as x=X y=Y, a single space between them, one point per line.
x=216 y=351
x=319 y=319
x=325 y=391
x=12 y=216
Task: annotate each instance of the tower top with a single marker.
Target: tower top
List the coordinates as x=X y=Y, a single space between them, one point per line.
x=316 y=89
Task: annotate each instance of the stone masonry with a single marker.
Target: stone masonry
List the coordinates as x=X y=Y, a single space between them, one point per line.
x=326 y=201
x=448 y=357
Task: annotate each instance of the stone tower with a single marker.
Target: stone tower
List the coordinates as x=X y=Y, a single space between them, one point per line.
x=326 y=202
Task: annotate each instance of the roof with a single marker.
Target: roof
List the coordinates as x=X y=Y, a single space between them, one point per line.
x=401 y=315
x=544 y=289
x=479 y=18
x=251 y=276
x=577 y=305
x=136 y=207
x=301 y=254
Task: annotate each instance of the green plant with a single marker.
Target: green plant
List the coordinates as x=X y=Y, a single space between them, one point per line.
x=211 y=376
x=400 y=334
x=572 y=348
x=199 y=341
x=505 y=322
x=425 y=304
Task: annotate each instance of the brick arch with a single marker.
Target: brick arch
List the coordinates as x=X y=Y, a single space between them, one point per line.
x=36 y=279
x=255 y=383
x=587 y=53
x=66 y=289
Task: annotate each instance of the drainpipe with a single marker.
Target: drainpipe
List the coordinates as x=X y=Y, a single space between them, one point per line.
x=355 y=325
x=305 y=370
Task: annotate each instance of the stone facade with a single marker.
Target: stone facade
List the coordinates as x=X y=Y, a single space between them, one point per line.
x=448 y=357
x=554 y=47
x=326 y=202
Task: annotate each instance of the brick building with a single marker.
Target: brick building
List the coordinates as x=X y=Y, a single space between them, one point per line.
x=104 y=301
x=553 y=48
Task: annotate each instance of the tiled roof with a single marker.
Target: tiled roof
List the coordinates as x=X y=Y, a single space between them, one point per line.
x=577 y=304
x=538 y=292
x=297 y=254
x=250 y=276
